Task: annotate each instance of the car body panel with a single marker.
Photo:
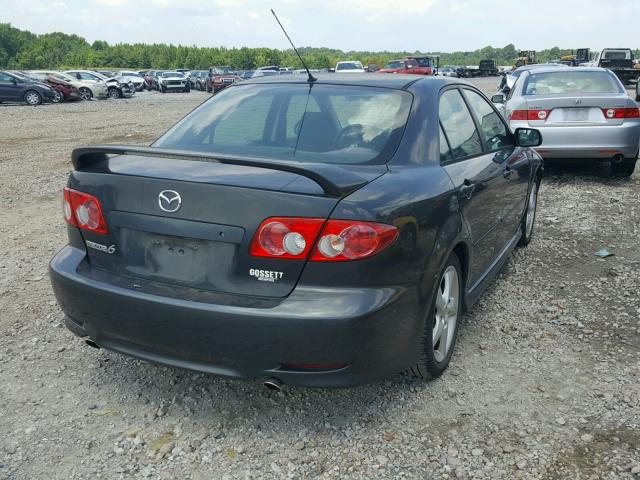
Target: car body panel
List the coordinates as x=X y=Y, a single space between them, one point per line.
x=13 y=88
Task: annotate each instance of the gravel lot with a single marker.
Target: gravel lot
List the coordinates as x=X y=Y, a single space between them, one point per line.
x=545 y=381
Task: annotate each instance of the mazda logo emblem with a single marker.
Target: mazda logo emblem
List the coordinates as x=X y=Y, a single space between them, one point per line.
x=169 y=201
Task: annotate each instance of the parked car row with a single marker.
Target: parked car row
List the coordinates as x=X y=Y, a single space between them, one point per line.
x=35 y=87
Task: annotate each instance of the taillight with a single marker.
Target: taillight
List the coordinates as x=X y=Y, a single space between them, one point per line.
x=340 y=240
x=285 y=237
x=612 y=113
x=84 y=211
x=529 y=115
x=343 y=240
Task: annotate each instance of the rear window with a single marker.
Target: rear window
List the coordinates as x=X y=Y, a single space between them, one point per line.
x=571 y=81
x=349 y=66
x=319 y=123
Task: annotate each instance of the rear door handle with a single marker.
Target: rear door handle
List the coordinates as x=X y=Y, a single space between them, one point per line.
x=466 y=189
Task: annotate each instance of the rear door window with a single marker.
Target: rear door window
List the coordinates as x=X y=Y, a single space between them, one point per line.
x=493 y=128
x=459 y=126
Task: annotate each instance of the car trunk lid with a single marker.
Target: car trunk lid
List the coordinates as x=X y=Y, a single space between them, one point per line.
x=585 y=110
x=202 y=240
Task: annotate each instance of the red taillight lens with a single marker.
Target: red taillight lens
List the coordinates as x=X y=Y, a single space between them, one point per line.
x=616 y=113
x=285 y=237
x=518 y=115
x=343 y=240
x=84 y=211
x=529 y=115
x=340 y=240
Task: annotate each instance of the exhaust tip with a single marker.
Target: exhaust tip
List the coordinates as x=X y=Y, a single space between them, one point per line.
x=274 y=384
x=91 y=343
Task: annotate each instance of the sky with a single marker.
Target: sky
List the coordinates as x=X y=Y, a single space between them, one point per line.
x=373 y=25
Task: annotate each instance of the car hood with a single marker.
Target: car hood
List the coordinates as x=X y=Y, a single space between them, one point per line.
x=172 y=78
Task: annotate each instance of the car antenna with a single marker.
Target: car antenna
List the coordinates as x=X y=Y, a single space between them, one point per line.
x=311 y=77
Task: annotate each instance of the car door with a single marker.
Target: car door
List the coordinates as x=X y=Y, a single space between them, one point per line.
x=513 y=160
x=10 y=88
x=477 y=179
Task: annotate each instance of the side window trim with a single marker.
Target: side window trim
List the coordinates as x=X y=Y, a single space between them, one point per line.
x=446 y=139
x=478 y=123
x=467 y=157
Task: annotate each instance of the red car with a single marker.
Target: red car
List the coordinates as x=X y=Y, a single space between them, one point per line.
x=64 y=90
x=416 y=66
x=220 y=78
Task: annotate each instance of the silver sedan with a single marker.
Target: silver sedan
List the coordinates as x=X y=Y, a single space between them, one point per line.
x=582 y=113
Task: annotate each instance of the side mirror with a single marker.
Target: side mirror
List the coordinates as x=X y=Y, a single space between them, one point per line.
x=498 y=98
x=528 y=137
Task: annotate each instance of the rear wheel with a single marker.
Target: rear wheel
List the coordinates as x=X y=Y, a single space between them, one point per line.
x=529 y=218
x=57 y=97
x=85 y=93
x=442 y=322
x=623 y=168
x=33 y=98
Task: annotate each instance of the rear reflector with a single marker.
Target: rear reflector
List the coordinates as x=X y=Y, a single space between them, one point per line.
x=613 y=113
x=84 y=211
x=529 y=115
x=340 y=240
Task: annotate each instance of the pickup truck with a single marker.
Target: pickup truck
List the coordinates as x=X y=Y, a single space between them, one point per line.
x=407 y=65
x=486 y=68
x=620 y=62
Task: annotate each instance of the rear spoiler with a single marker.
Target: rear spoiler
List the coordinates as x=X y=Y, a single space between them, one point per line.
x=334 y=180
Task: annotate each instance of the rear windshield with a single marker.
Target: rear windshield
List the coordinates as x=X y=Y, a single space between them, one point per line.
x=571 y=81
x=349 y=66
x=319 y=123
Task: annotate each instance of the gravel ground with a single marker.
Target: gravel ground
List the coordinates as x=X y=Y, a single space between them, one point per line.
x=544 y=382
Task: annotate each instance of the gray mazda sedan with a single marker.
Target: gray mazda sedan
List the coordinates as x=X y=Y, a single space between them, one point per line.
x=321 y=232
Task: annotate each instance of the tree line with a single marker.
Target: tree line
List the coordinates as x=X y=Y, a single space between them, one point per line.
x=21 y=49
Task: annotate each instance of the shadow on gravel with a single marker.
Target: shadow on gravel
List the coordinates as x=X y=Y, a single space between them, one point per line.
x=579 y=168
x=208 y=400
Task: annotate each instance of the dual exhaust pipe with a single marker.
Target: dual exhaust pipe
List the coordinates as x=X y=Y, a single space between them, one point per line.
x=273 y=384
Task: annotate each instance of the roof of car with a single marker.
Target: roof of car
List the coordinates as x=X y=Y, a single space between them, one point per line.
x=550 y=69
x=385 y=80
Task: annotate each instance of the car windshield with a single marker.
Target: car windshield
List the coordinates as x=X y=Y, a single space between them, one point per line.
x=570 y=82
x=172 y=74
x=395 y=64
x=349 y=66
x=131 y=74
x=221 y=70
x=319 y=123
x=423 y=62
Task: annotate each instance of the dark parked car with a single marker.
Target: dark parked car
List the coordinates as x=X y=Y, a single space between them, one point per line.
x=19 y=88
x=65 y=92
x=322 y=236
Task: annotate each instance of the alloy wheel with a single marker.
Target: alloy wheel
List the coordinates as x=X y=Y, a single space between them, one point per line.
x=446 y=313
x=85 y=94
x=57 y=97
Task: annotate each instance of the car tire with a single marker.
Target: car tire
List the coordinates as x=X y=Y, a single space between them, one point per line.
x=529 y=217
x=86 y=93
x=163 y=89
x=187 y=89
x=32 y=98
x=624 y=168
x=58 y=97
x=442 y=322
x=114 y=93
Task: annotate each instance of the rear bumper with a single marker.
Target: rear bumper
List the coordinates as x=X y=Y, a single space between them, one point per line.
x=597 y=142
x=374 y=332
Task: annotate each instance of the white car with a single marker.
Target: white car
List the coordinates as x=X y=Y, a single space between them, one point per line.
x=133 y=77
x=349 y=66
x=173 y=81
x=88 y=89
x=115 y=88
